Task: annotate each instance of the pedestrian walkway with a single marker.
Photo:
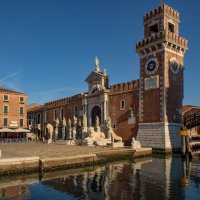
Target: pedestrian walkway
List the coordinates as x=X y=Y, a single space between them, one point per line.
x=44 y=150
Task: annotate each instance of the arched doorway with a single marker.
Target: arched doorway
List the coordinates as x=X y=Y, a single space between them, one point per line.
x=96 y=111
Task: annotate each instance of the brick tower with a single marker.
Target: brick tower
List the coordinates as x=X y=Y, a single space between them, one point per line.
x=161 y=55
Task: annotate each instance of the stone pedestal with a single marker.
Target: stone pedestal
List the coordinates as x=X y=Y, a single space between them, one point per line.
x=69 y=134
x=84 y=134
x=49 y=141
x=163 y=136
x=117 y=145
x=56 y=134
x=70 y=142
x=98 y=129
x=135 y=144
x=74 y=133
x=109 y=133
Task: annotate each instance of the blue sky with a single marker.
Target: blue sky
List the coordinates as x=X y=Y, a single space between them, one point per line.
x=48 y=47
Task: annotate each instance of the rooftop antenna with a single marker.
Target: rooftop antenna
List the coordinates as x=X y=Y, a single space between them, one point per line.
x=161 y=2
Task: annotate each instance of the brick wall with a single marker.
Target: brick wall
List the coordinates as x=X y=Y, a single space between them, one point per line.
x=128 y=92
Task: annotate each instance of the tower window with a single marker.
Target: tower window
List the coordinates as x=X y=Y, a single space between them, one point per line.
x=154 y=28
x=122 y=105
x=171 y=27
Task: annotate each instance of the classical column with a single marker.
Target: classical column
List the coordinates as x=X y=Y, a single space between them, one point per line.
x=89 y=115
x=105 y=110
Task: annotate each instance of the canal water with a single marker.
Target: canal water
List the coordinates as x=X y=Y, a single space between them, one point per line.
x=155 y=178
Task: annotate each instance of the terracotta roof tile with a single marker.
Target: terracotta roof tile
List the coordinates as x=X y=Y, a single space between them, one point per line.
x=34 y=109
x=188 y=107
x=4 y=90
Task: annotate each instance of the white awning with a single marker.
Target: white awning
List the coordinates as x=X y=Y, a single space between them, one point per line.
x=21 y=130
x=6 y=130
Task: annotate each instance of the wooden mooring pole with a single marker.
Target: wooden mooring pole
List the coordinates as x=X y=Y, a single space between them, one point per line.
x=185 y=140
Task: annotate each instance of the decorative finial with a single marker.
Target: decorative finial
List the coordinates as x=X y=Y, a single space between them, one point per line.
x=97 y=65
x=161 y=2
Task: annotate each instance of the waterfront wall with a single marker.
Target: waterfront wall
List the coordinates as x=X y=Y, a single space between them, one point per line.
x=9 y=166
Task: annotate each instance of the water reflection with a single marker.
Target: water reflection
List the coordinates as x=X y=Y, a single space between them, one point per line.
x=147 y=179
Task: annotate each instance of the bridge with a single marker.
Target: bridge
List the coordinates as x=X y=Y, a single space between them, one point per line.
x=192 y=120
x=189 y=122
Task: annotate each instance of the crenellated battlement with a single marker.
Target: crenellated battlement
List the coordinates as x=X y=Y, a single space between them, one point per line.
x=160 y=10
x=123 y=87
x=63 y=101
x=164 y=36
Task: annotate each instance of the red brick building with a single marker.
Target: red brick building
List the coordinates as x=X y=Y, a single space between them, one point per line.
x=149 y=108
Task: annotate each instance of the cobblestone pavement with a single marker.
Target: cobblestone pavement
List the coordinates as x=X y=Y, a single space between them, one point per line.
x=44 y=150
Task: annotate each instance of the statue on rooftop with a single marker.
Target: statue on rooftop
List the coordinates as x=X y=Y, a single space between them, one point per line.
x=97 y=65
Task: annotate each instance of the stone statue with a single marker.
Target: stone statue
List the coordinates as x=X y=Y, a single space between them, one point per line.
x=69 y=123
x=115 y=137
x=56 y=129
x=50 y=132
x=74 y=128
x=97 y=65
x=84 y=127
x=75 y=121
x=109 y=128
x=109 y=123
x=69 y=129
x=97 y=121
x=84 y=121
x=79 y=123
x=135 y=144
x=116 y=141
x=95 y=138
x=64 y=122
x=97 y=124
x=64 y=128
x=57 y=123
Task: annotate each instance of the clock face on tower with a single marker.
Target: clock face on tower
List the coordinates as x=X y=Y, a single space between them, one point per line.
x=151 y=66
x=174 y=66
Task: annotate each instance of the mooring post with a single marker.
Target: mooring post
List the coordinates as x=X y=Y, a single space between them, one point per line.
x=183 y=146
x=183 y=133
